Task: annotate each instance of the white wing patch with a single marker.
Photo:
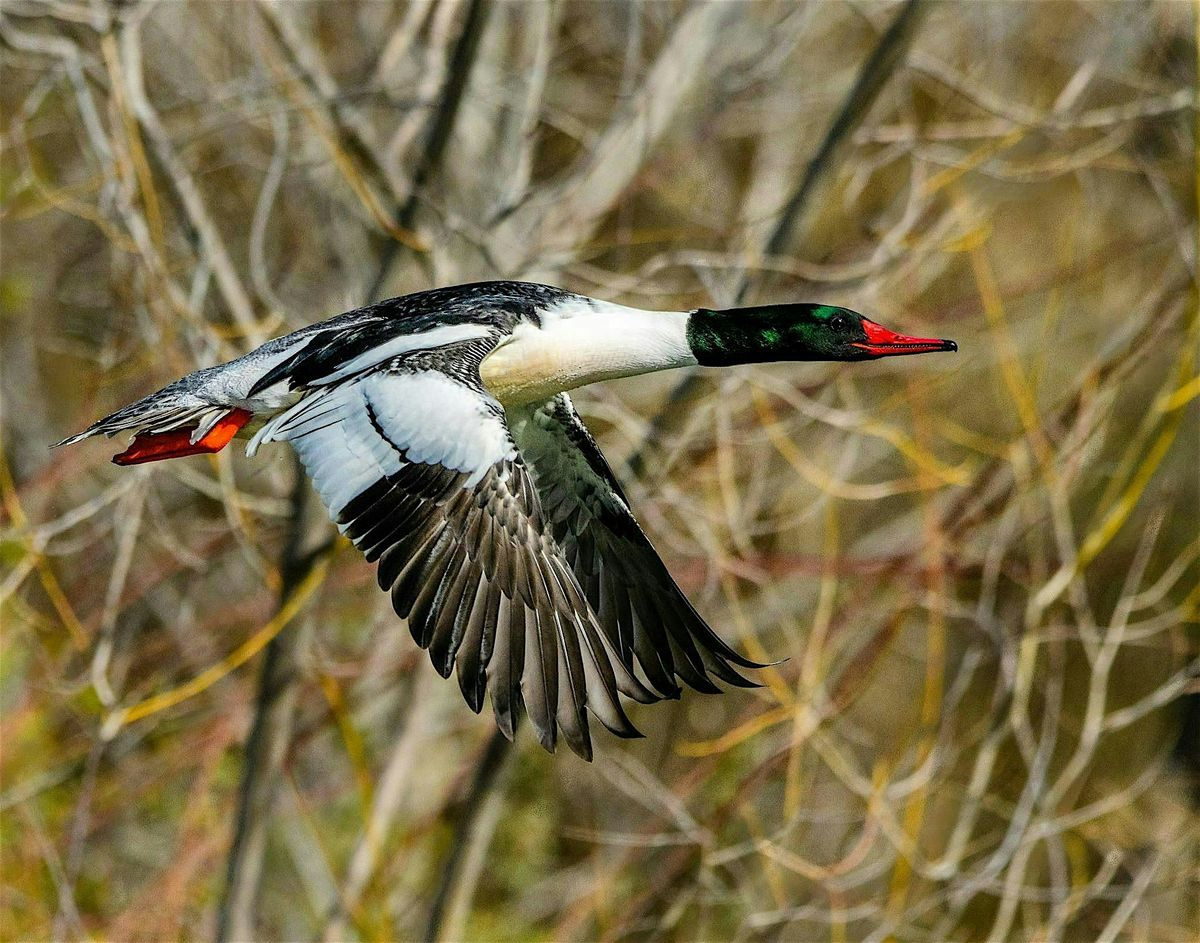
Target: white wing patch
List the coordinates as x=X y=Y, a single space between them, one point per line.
x=439 y=421
x=350 y=436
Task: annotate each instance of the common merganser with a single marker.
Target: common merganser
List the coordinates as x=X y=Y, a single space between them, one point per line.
x=438 y=432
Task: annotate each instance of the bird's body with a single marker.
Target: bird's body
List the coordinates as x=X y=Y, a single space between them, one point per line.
x=438 y=432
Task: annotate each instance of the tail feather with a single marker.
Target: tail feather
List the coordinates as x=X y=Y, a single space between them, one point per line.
x=177 y=405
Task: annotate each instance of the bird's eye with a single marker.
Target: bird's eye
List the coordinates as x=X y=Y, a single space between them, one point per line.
x=840 y=322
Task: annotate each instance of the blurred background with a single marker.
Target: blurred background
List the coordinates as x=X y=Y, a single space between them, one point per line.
x=977 y=573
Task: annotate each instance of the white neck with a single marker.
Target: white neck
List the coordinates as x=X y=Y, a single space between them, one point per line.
x=580 y=342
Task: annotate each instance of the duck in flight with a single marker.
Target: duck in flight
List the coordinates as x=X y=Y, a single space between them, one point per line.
x=437 y=430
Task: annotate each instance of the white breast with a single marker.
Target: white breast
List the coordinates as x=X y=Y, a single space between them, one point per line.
x=581 y=342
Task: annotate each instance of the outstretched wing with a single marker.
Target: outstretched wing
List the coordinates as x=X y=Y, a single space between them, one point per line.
x=641 y=609
x=419 y=470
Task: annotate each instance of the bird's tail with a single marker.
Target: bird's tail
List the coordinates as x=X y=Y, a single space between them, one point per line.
x=171 y=423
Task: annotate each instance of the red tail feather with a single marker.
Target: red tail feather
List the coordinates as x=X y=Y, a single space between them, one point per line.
x=151 y=447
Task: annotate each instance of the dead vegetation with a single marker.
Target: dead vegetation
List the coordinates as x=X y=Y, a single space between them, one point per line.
x=981 y=571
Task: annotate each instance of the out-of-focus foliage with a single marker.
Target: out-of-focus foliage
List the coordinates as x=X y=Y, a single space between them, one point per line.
x=981 y=569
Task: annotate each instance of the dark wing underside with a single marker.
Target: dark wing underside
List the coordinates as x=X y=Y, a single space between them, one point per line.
x=645 y=615
x=486 y=591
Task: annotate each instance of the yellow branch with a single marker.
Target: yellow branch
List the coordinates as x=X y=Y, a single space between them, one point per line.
x=1099 y=538
x=1181 y=397
x=774 y=680
x=1014 y=376
x=976 y=158
x=738 y=735
x=918 y=455
x=816 y=475
x=54 y=591
x=344 y=163
x=238 y=657
x=1168 y=405
x=137 y=152
x=355 y=748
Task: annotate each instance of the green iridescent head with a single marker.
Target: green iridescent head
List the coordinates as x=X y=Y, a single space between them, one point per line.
x=796 y=332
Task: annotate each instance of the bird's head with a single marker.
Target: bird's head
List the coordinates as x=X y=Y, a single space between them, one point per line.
x=797 y=332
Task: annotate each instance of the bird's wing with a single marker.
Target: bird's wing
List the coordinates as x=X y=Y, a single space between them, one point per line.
x=643 y=612
x=418 y=468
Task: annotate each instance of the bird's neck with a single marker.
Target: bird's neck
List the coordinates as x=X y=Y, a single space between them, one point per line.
x=582 y=342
